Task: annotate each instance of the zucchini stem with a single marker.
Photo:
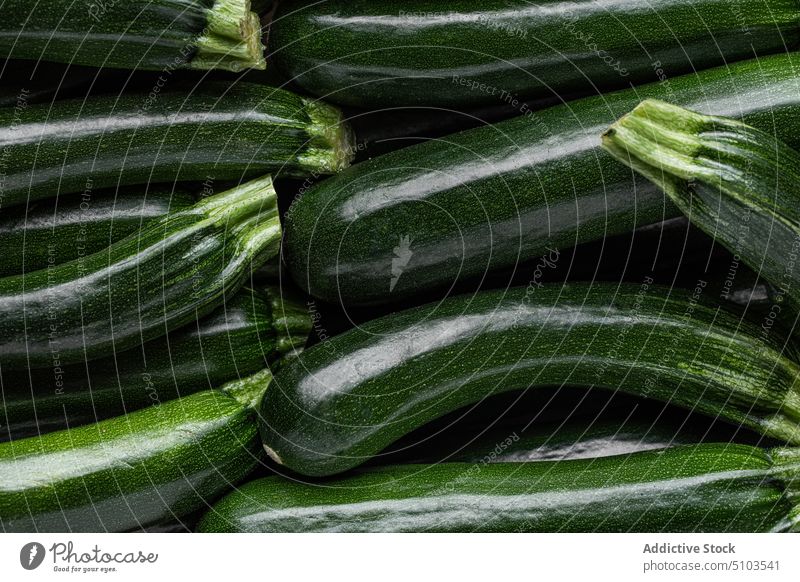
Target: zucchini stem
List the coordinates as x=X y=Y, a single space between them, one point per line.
x=332 y=145
x=250 y=212
x=738 y=184
x=249 y=391
x=261 y=237
x=255 y=197
x=231 y=40
x=290 y=320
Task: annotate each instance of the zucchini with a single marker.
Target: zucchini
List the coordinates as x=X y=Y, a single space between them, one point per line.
x=739 y=184
x=694 y=488
x=237 y=339
x=58 y=230
x=123 y=473
x=442 y=213
x=161 y=35
x=344 y=401
x=178 y=268
x=369 y=53
x=216 y=131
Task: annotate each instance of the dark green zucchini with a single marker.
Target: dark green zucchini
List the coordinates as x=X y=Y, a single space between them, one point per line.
x=735 y=182
x=694 y=488
x=345 y=400
x=161 y=35
x=147 y=467
x=376 y=53
x=57 y=230
x=445 y=212
x=178 y=268
x=239 y=338
x=211 y=132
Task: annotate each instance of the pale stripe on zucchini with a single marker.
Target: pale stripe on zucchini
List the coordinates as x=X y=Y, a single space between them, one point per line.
x=57 y=230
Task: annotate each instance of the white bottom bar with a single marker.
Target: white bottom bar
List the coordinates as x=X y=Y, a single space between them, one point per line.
x=379 y=558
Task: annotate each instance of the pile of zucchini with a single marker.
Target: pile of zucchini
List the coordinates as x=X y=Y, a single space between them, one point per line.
x=396 y=283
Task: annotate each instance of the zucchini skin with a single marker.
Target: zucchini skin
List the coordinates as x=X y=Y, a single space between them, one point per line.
x=443 y=213
x=216 y=131
x=344 y=401
x=695 y=488
x=58 y=230
x=235 y=340
x=171 y=272
x=119 y=474
x=146 y=35
x=367 y=53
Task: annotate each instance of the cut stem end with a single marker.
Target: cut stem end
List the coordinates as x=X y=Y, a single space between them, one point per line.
x=231 y=40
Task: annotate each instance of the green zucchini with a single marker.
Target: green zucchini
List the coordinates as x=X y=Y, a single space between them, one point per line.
x=58 y=230
x=161 y=35
x=693 y=488
x=442 y=213
x=178 y=268
x=216 y=131
x=239 y=338
x=369 y=53
x=345 y=400
x=147 y=467
x=739 y=184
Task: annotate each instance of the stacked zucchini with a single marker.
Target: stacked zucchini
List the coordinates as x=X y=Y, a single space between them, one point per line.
x=172 y=240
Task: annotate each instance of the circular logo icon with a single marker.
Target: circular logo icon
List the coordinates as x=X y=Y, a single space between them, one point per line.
x=31 y=555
